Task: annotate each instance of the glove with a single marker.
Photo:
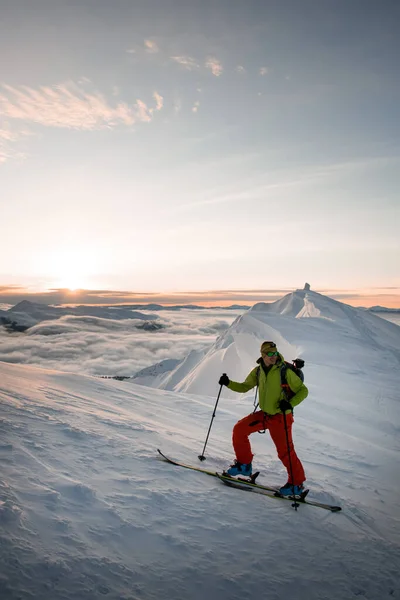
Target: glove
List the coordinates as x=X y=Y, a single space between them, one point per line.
x=224 y=379
x=284 y=405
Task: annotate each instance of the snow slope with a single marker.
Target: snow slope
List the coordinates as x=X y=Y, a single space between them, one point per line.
x=155 y=374
x=88 y=511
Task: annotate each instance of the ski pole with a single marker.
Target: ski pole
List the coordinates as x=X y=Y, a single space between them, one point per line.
x=295 y=504
x=201 y=456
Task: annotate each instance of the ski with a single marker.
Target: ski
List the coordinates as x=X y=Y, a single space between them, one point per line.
x=212 y=473
x=273 y=493
x=180 y=464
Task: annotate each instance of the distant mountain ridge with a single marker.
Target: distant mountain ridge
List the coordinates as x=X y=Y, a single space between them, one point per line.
x=26 y=314
x=30 y=313
x=383 y=309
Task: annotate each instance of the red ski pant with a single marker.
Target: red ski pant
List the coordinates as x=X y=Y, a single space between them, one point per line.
x=259 y=421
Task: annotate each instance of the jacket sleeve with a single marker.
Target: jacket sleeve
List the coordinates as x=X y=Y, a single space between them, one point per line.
x=297 y=386
x=248 y=383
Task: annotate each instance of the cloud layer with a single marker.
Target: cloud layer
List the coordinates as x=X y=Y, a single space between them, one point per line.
x=106 y=347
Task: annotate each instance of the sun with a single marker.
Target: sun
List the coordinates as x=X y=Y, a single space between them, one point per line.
x=72 y=280
x=71 y=268
x=72 y=284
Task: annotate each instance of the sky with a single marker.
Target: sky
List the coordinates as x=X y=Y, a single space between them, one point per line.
x=174 y=148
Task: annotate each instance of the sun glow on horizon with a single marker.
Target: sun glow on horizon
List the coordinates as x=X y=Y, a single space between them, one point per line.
x=70 y=268
x=71 y=284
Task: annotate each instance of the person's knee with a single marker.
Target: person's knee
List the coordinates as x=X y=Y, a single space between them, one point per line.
x=240 y=425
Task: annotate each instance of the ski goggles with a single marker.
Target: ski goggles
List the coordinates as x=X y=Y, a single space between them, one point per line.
x=270 y=353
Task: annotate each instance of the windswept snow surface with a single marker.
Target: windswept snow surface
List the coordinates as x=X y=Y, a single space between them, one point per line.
x=89 y=511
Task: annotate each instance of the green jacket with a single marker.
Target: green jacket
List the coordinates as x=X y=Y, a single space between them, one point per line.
x=269 y=390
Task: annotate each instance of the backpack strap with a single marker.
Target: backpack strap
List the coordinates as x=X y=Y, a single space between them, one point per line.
x=283 y=371
x=256 y=405
x=287 y=392
x=258 y=382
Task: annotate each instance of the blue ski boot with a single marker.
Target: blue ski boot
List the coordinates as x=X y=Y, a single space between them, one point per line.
x=240 y=469
x=288 y=488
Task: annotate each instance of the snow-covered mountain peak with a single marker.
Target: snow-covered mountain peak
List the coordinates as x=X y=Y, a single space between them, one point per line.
x=317 y=305
x=306 y=303
x=291 y=304
x=294 y=323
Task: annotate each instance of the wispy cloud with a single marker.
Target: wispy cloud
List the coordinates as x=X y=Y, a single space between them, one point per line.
x=143 y=112
x=151 y=46
x=214 y=65
x=8 y=138
x=240 y=69
x=281 y=181
x=263 y=71
x=159 y=101
x=7 y=135
x=188 y=62
x=70 y=106
x=196 y=106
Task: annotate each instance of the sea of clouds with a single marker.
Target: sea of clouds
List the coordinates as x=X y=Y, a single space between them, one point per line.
x=106 y=347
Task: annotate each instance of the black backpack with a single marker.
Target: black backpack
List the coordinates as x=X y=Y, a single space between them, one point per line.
x=295 y=366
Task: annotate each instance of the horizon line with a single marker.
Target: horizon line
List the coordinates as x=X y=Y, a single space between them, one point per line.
x=13 y=294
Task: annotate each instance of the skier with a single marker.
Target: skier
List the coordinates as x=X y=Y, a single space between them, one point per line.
x=274 y=409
